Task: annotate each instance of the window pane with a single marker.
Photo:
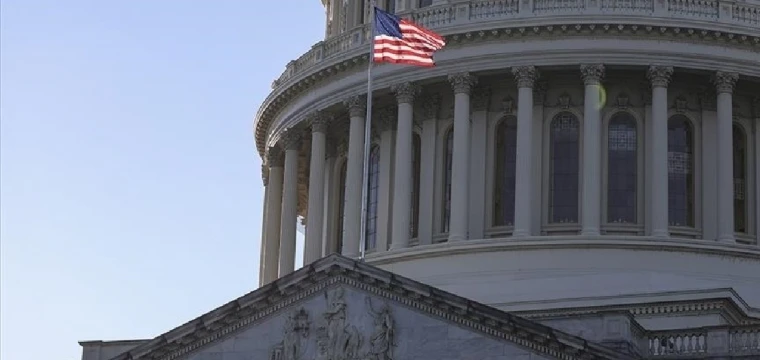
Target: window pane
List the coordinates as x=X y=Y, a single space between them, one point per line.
x=447 y=180
x=372 y=187
x=680 y=172
x=504 y=180
x=622 y=166
x=413 y=232
x=740 y=179
x=564 y=142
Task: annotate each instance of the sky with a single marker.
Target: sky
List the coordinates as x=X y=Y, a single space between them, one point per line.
x=130 y=185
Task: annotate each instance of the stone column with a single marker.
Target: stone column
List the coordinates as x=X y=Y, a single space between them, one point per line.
x=592 y=153
x=402 y=181
x=724 y=83
x=430 y=106
x=357 y=107
x=462 y=84
x=385 y=123
x=274 y=212
x=313 y=241
x=328 y=201
x=659 y=77
x=262 y=251
x=291 y=142
x=526 y=77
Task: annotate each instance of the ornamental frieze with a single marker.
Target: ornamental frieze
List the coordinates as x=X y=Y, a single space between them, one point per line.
x=334 y=334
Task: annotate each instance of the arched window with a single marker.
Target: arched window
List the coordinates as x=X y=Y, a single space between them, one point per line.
x=564 y=162
x=414 y=224
x=680 y=171
x=372 y=185
x=740 y=179
x=622 y=169
x=448 y=147
x=504 y=174
x=341 y=208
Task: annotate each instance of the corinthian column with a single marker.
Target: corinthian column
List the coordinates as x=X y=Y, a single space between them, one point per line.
x=357 y=107
x=660 y=77
x=313 y=242
x=265 y=180
x=291 y=141
x=592 y=154
x=402 y=182
x=526 y=77
x=724 y=83
x=462 y=84
x=274 y=213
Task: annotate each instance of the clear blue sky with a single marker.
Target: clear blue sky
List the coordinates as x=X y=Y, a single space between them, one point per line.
x=131 y=189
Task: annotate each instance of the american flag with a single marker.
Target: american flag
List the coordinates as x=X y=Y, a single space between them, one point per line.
x=400 y=41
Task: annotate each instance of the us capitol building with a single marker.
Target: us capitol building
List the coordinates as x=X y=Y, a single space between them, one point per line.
x=575 y=179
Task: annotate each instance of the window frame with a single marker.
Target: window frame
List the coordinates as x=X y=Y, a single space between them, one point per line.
x=492 y=175
x=694 y=232
x=550 y=228
x=636 y=228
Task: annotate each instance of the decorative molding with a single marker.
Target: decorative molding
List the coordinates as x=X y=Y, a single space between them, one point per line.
x=725 y=82
x=386 y=118
x=564 y=101
x=525 y=76
x=508 y=105
x=295 y=331
x=659 y=76
x=274 y=157
x=592 y=74
x=356 y=105
x=265 y=174
x=431 y=106
x=680 y=104
x=405 y=92
x=708 y=99
x=462 y=83
x=481 y=97
x=290 y=85
x=623 y=101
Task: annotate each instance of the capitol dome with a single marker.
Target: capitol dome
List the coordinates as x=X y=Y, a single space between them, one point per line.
x=564 y=158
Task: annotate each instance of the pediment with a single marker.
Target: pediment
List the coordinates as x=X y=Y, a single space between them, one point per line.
x=340 y=309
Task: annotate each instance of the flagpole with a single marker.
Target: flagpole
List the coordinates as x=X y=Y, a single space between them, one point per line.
x=367 y=135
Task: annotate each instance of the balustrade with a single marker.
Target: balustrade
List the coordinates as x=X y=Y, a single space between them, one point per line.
x=447 y=17
x=704 y=343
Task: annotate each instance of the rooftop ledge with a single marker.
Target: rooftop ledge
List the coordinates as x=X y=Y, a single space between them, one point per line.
x=459 y=15
x=565 y=242
x=724 y=20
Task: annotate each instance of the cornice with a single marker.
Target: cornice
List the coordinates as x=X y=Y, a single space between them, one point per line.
x=298 y=84
x=336 y=270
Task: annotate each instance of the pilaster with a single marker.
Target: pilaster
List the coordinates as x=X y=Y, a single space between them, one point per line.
x=402 y=181
x=291 y=142
x=357 y=107
x=659 y=76
x=724 y=85
x=462 y=84
x=525 y=77
x=592 y=154
x=431 y=105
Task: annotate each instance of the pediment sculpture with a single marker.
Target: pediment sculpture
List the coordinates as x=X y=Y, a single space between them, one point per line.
x=335 y=336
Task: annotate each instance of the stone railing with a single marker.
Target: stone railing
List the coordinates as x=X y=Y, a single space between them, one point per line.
x=481 y=14
x=704 y=343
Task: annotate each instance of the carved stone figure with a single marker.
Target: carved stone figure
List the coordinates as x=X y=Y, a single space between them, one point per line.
x=296 y=328
x=381 y=341
x=343 y=340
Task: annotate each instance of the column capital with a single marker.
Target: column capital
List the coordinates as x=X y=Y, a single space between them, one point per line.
x=480 y=98
x=356 y=105
x=725 y=81
x=405 y=92
x=525 y=76
x=274 y=157
x=592 y=74
x=320 y=122
x=659 y=76
x=431 y=104
x=463 y=83
x=291 y=139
